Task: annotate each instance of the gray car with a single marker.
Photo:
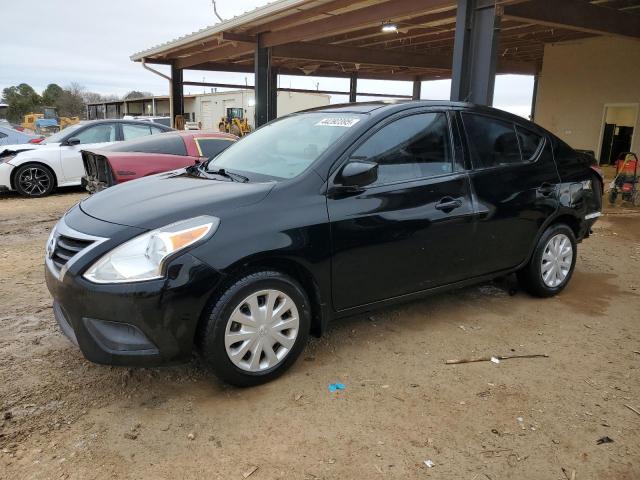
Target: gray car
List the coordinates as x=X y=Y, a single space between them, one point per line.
x=11 y=136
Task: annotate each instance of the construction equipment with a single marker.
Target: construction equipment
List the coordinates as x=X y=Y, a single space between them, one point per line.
x=47 y=122
x=626 y=181
x=234 y=123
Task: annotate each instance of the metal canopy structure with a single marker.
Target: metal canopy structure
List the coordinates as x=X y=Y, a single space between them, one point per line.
x=467 y=40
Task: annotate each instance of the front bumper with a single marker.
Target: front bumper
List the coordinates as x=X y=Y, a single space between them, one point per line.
x=5 y=176
x=135 y=324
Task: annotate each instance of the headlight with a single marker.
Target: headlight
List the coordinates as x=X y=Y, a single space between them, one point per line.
x=142 y=257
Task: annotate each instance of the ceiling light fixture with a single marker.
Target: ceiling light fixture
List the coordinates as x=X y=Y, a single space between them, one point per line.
x=388 y=27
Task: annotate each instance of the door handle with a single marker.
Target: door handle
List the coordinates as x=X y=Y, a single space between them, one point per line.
x=447 y=204
x=546 y=189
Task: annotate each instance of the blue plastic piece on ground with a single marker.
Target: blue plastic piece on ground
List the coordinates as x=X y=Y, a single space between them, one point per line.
x=336 y=386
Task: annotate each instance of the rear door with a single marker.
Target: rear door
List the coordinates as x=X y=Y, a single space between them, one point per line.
x=409 y=230
x=515 y=183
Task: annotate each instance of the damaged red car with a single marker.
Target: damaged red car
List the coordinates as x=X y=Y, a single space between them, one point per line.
x=149 y=155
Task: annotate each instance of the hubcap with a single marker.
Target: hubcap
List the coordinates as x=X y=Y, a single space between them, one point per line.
x=34 y=181
x=261 y=330
x=556 y=260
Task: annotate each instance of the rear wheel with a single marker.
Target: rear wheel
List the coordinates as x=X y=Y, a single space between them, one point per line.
x=34 y=180
x=256 y=330
x=552 y=263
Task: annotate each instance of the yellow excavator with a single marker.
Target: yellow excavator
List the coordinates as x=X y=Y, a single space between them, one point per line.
x=234 y=123
x=47 y=122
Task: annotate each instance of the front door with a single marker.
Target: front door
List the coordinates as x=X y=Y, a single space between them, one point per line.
x=90 y=137
x=408 y=231
x=515 y=183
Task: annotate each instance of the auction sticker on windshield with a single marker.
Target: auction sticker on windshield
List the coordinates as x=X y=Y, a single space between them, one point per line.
x=338 y=122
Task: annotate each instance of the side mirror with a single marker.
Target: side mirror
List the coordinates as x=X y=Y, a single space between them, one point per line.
x=73 y=141
x=358 y=173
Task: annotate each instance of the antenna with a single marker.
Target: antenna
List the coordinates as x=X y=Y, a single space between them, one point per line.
x=215 y=10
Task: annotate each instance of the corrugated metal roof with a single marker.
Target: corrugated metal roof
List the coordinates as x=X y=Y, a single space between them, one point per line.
x=258 y=13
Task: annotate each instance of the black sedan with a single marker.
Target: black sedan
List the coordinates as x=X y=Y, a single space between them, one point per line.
x=316 y=216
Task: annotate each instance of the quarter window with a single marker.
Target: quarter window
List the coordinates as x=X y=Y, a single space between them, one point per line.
x=412 y=147
x=530 y=143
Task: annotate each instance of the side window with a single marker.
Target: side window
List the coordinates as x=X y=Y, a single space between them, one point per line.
x=530 y=143
x=3 y=135
x=492 y=142
x=156 y=130
x=103 y=132
x=210 y=147
x=130 y=131
x=412 y=147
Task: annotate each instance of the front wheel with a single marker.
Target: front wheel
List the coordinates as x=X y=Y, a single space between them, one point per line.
x=33 y=180
x=552 y=263
x=257 y=329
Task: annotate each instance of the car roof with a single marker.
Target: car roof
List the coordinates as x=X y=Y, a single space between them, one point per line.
x=202 y=134
x=122 y=120
x=391 y=106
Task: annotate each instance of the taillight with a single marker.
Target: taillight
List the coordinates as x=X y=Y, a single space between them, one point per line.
x=36 y=140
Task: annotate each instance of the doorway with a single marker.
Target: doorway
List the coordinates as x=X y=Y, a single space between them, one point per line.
x=206 y=115
x=618 y=130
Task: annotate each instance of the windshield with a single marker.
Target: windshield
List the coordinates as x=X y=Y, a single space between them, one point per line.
x=57 y=137
x=286 y=148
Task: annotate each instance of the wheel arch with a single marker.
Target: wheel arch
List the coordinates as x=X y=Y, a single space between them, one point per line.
x=32 y=162
x=285 y=265
x=575 y=223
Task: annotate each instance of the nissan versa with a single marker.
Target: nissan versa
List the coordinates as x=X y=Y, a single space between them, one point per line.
x=316 y=216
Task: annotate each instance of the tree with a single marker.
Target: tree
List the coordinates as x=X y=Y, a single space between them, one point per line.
x=22 y=99
x=133 y=94
x=52 y=94
x=71 y=101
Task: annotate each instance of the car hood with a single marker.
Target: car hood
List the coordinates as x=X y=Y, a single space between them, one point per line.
x=17 y=148
x=26 y=147
x=158 y=200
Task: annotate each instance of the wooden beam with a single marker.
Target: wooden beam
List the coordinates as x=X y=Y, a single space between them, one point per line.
x=302 y=15
x=238 y=37
x=576 y=15
x=225 y=52
x=394 y=10
x=406 y=29
x=356 y=55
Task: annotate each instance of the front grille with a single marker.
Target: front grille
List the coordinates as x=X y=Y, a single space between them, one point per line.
x=66 y=248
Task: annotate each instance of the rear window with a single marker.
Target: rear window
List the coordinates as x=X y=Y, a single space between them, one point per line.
x=169 y=144
x=210 y=147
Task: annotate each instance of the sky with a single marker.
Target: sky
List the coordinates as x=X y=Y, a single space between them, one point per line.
x=90 y=42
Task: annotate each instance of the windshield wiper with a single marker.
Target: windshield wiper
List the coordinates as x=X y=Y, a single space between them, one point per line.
x=235 y=177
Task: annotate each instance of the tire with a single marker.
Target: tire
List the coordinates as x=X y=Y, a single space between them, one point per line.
x=34 y=180
x=531 y=277
x=263 y=358
x=613 y=195
x=235 y=130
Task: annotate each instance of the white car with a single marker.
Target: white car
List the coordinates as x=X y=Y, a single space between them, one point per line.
x=35 y=170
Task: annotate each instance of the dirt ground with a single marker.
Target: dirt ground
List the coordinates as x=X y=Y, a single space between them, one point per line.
x=63 y=417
